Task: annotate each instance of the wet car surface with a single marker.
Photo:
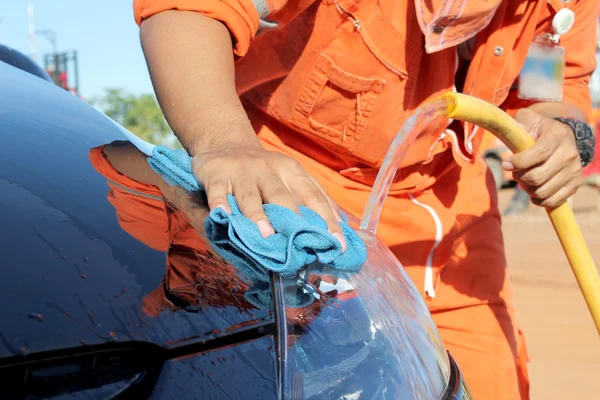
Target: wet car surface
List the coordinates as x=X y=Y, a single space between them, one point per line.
x=19 y=60
x=110 y=288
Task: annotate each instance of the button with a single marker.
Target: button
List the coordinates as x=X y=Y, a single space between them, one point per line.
x=563 y=21
x=498 y=50
x=438 y=29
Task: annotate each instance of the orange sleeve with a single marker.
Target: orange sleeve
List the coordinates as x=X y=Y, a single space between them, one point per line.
x=580 y=54
x=580 y=59
x=242 y=17
x=140 y=208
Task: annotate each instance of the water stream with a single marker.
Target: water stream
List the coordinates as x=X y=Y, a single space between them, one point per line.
x=423 y=116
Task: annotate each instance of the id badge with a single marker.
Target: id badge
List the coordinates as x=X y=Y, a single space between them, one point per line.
x=542 y=77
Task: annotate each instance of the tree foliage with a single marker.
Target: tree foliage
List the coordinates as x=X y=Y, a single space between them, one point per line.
x=139 y=114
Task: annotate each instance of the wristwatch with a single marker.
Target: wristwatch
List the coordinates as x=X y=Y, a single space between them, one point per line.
x=584 y=138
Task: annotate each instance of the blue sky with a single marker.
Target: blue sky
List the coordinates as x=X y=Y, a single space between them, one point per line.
x=104 y=33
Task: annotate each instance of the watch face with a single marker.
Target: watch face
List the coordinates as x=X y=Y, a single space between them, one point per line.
x=584 y=138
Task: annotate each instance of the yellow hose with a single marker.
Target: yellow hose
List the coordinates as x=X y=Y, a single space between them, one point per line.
x=516 y=138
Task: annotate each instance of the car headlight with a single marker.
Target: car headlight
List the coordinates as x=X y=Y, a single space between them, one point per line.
x=366 y=335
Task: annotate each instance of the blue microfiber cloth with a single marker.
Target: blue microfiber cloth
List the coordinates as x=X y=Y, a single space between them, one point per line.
x=299 y=240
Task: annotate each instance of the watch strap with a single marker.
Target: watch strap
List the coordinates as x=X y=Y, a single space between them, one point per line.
x=584 y=138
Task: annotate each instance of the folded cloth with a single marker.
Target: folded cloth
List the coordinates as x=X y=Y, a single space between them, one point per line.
x=299 y=240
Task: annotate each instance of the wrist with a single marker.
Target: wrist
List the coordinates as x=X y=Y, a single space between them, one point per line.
x=230 y=138
x=220 y=128
x=555 y=110
x=583 y=138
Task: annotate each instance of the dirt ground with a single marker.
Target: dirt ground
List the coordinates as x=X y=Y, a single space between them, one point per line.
x=563 y=344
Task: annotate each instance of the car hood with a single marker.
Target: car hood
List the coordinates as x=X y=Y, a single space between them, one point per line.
x=71 y=274
x=96 y=252
x=21 y=61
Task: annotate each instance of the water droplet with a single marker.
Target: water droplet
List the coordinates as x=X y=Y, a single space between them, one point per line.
x=39 y=317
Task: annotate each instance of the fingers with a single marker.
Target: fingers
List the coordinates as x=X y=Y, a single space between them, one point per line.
x=218 y=186
x=551 y=136
x=273 y=191
x=550 y=171
x=552 y=194
x=334 y=207
x=537 y=154
x=250 y=201
x=538 y=175
x=314 y=198
x=308 y=192
x=216 y=183
x=555 y=190
x=266 y=179
x=531 y=121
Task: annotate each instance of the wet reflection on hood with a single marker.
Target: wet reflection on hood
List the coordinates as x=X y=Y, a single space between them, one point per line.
x=170 y=219
x=339 y=335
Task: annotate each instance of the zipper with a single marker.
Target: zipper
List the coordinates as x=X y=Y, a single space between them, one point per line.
x=357 y=26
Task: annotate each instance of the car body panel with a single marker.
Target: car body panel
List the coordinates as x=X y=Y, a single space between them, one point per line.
x=78 y=285
x=72 y=276
x=210 y=375
x=19 y=60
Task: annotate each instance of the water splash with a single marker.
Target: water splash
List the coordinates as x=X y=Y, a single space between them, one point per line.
x=415 y=124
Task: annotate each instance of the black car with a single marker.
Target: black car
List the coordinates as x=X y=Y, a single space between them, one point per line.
x=111 y=290
x=19 y=60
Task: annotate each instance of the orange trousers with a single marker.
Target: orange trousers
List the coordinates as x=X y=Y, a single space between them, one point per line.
x=453 y=230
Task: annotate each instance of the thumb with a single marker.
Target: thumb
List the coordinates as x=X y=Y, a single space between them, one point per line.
x=531 y=121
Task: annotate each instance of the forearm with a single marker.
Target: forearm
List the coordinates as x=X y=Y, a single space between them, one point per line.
x=558 y=110
x=190 y=60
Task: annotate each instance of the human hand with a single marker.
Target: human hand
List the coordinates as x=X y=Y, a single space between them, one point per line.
x=255 y=177
x=550 y=171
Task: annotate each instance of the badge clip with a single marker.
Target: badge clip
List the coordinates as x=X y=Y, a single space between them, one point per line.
x=542 y=77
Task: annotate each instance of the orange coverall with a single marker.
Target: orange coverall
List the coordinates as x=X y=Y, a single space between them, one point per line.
x=330 y=82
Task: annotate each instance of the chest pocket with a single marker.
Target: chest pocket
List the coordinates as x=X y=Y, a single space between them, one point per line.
x=335 y=105
x=356 y=95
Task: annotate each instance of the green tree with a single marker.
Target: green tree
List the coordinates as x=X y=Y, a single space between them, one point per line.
x=140 y=114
